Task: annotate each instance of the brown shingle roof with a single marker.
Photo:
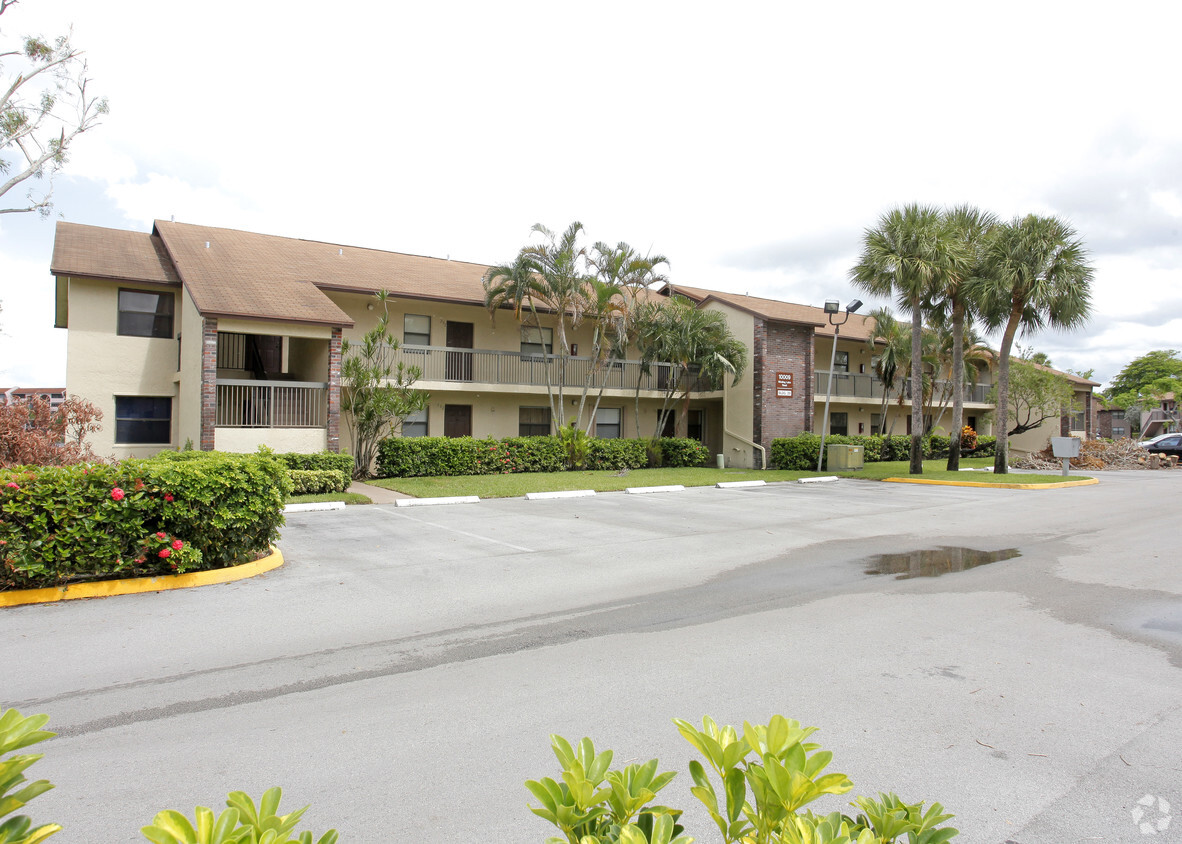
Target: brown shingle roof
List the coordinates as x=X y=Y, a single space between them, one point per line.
x=110 y=253
x=858 y=327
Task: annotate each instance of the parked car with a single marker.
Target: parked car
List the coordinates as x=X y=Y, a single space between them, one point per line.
x=1153 y=440
x=1169 y=444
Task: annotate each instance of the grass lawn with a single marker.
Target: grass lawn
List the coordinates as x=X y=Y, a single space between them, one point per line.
x=516 y=485
x=347 y=497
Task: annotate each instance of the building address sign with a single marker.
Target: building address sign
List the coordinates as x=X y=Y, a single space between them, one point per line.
x=784 y=385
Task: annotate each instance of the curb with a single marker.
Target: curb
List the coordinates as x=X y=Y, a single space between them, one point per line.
x=564 y=493
x=738 y=484
x=428 y=502
x=823 y=479
x=1064 y=484
x=640 y=490
x=137 y=585
x=313 y=506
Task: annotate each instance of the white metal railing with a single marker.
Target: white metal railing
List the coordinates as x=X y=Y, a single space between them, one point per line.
x=271 y=404
x=855 y=385
x=484 y=366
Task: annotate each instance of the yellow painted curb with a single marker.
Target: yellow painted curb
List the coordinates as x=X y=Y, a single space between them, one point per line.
x=1061 y=485
x=135 y=585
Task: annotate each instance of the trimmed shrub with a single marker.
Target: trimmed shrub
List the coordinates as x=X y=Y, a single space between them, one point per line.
x=616 y=454
x=316 y=481
x=91 y=521
x=413 y=457
x=321 y=461
x=796 y=454
x=677 y=452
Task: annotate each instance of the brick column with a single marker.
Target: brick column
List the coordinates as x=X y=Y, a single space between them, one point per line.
x=758 y=380
x=209 y=381
x=334 y=391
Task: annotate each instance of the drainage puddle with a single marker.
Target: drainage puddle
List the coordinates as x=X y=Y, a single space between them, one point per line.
x=935 y=562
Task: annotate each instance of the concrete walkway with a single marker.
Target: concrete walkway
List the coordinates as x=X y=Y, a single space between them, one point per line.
x=377 y=494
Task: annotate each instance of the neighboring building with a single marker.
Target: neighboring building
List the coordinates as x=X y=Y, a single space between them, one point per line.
x=1112 y=424
x=54 y=395
x=229 y=340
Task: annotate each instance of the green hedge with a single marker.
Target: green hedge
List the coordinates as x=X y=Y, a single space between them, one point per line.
x=316 y=481
x=411 y=457
x=321 y=461
x=799 y=453
x=86 y=522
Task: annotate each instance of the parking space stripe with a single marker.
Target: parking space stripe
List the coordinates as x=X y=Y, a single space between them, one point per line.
x=401 y=515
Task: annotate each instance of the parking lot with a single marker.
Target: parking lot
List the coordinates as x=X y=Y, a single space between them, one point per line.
x=402 y=672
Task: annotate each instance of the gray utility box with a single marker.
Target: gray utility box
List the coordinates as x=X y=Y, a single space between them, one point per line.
x=846 y=457
x=1065 y=446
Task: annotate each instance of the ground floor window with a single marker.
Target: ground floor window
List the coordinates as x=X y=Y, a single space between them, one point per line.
x=1119 y=431
x=533 y=421
x=608 y=422
x=143 y=420
x=839 y=423
x=415 y=425
x=876 y=423
x=696 y=430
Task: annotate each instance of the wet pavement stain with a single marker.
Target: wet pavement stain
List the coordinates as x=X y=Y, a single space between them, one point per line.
x=933 y=562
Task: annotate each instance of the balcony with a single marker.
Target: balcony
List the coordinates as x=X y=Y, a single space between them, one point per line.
x=483 y=366
x=271 y=404
x=856 y=386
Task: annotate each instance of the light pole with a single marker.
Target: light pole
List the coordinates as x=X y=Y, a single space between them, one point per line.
x=832 y=308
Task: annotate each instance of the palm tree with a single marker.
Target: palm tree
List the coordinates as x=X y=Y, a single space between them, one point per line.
x=970 y=226
x=891 y=359
x=1035 y=274
x=907 y=256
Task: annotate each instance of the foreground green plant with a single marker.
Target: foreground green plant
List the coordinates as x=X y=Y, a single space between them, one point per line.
x=595 y=805
x=768 y=774
x=16 y=733
x=241 y=823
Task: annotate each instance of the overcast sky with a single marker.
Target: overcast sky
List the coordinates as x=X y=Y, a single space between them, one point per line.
x=751 y=143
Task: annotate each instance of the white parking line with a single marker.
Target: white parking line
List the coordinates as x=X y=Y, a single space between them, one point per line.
x=401 y=515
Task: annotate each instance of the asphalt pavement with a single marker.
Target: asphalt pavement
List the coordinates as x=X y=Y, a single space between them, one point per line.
x=403 y=671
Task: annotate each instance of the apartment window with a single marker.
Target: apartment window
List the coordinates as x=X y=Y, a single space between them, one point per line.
x=415 y=425
x=533 y=421
x=143 y=420
x=537 y=341
x=416 y=330
x=841 y=362
x=1118 y=431
x=145 y=314
x=1079 y=420
x=695 y=429
x=608 y=422
x=839 y=423
x=876 y=423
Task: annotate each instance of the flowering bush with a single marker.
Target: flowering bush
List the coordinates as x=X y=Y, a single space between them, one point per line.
x=163 y=550
x=968 y=438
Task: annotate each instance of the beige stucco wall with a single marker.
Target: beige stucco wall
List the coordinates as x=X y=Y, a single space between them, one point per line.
x=736 y=415
x=187 y=408
x=101 y=365
x=248 y=440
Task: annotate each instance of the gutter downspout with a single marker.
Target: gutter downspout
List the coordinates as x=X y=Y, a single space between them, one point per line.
x=728 y=432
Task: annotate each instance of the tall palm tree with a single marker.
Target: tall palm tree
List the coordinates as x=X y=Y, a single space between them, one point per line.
x=1035 y=275
x=907 y=255
x=970 y=226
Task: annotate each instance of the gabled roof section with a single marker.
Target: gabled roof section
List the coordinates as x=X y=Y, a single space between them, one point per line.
x=858 y=327
x=96 y=252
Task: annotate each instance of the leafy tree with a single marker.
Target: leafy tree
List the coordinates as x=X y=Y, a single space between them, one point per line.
x=910 y=255
x=31 y=434
x=1036 y=394
x=376 y=394
x=1146 y=378
x=44 y=106
x=890 y=344
x=1035 y=274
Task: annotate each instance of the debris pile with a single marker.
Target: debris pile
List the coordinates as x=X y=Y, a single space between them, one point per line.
x=1098 y=455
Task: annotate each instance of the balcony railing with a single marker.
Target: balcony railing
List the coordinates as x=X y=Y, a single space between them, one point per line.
x=482 y=366
x=853 y=385
x=271 y=404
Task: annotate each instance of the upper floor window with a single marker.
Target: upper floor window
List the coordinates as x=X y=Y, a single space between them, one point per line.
x=841 y=362
x=416 y=330
x=537 y=341
x=143 y=313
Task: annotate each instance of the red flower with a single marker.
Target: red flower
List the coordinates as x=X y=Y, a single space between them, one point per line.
x=168 y=496
x=164 y=553
x=116 y=494
x=160 y=534
x=13 y=485
x=177 y=545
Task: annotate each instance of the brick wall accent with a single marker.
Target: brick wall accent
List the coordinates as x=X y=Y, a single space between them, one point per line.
x=782 y=347
x=209 y=382
x=334 y=390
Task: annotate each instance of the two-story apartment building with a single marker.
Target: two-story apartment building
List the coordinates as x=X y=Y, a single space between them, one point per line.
x=227 y=339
